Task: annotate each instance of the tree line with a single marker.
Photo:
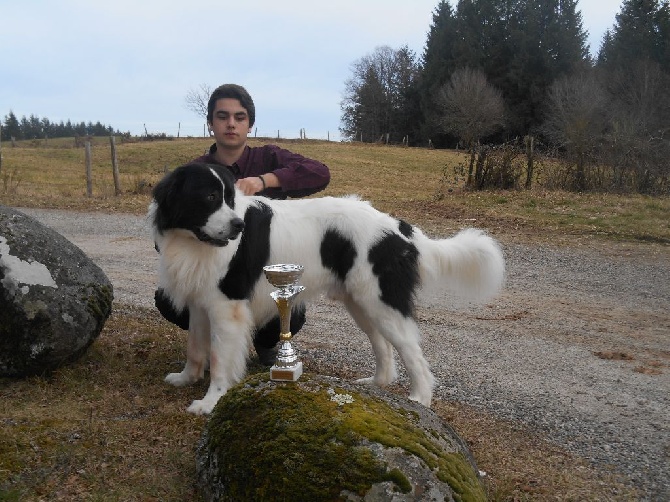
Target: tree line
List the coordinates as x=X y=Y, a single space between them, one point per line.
x=495 y=73
x=34 y=127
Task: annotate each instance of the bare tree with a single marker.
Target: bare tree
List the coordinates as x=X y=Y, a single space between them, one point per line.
x=471 y=109
x=576 y=118
x=196 y=100
x=638 y=138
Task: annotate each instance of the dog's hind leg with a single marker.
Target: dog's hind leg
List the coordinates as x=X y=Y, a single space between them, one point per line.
x=231 y=327
x=385 y=369
x=197 y=351
x=403 y=334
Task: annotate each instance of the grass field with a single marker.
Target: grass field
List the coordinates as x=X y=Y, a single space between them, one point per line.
x=107 y=428
x=403 y=181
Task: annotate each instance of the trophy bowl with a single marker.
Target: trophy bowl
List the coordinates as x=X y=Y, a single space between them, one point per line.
x=283 y=275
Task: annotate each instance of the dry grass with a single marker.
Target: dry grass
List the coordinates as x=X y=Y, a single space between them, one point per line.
x=105 y=428
x=108 y=428
x=523 y=466
x=403 y=181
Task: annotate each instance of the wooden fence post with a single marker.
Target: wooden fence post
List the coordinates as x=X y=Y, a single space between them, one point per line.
x=115 y=167
x=529 y=160
x=89 y=180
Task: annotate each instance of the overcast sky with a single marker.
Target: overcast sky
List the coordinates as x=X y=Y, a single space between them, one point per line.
x=130 y=63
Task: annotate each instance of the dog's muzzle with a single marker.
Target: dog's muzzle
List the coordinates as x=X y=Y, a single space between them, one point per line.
x=236 y=228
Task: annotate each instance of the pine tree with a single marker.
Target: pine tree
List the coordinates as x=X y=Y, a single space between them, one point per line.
x=522 y=46
x=548 y=42
x=11 y=128
x=641 y=31
x=436 y=69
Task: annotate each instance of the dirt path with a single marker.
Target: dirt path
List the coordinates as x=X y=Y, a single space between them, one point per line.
x=577 y=347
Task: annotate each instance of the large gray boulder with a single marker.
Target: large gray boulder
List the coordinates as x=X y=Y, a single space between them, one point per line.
x=53 y=299
x=322 y=438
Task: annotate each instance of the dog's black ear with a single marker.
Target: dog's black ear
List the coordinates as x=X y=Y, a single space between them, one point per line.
x=224 y=172
x=162 y=193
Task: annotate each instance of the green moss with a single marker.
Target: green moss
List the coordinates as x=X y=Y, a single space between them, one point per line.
x=298 y=443
x=99 y=301
x=396 y=430
x=400 y=480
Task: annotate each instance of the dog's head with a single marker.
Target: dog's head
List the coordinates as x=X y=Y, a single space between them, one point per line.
x=199 y=198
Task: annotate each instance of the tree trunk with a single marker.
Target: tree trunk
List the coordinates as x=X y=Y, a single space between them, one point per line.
x=89 y=176
x=470 y=182
x=115 y=167
x=529 y=160
x=479 y=171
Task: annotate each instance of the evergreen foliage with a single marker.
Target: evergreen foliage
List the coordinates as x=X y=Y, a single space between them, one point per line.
x=35 y=128
x=641 y=32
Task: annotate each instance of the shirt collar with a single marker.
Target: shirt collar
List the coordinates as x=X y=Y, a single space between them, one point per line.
x=241 y=161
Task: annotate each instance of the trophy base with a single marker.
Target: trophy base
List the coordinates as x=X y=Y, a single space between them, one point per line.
x=290 y=374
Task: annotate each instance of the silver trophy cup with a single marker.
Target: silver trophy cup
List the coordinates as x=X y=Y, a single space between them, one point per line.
x=285 y=278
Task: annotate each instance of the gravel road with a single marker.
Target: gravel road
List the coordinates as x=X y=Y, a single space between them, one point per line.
x=576 y=347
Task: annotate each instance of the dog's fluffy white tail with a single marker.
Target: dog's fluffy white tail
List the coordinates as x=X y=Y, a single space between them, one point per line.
x=470 y=264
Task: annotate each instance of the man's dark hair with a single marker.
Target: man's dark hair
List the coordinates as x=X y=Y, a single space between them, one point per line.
x=232 y=91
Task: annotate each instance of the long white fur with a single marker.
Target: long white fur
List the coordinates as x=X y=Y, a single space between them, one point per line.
x=469 y=263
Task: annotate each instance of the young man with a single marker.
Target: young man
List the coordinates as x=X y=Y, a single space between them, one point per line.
x=265 y=170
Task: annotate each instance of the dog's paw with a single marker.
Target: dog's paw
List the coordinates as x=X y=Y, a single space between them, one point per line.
x=179 y=379
x=424 y=400
x=201 y=407
x=366 y=381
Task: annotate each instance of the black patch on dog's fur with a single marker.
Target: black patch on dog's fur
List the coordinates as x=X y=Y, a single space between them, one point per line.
x=251 y=256
x=337 y=253
x=167 y=310
x=395 y=263
x=405 y=228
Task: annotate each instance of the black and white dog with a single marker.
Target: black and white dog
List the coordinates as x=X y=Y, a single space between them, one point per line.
x=214 y=242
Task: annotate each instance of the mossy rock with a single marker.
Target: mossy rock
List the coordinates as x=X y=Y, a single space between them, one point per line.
x=54 y=300
x=325 y=439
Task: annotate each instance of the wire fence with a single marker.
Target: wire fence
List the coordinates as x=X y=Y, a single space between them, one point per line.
x=201 y=131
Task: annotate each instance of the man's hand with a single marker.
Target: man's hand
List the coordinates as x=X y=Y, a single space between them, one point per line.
x=255 y=184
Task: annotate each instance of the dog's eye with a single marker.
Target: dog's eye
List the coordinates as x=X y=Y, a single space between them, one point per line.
x=212 y=197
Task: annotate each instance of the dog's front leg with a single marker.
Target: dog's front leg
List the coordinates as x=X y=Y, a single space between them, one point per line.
x=231 y=327
x=197 y=350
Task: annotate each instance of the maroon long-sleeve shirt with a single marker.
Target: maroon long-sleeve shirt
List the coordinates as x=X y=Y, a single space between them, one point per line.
x=298 y=175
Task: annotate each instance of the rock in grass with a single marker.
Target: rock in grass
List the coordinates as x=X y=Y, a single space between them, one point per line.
x=325 y=439
x=53 y=299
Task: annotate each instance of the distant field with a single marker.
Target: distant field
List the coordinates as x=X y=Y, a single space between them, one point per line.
x=400 y=180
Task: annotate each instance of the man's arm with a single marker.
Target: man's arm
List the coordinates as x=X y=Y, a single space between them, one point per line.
x=294 y=174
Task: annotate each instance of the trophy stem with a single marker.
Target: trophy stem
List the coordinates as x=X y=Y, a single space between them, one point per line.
x=284 y=307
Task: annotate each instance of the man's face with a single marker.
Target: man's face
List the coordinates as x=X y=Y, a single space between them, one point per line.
x=230 y=123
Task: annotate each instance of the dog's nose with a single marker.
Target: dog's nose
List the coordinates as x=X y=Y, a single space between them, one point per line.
x=237 y=224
